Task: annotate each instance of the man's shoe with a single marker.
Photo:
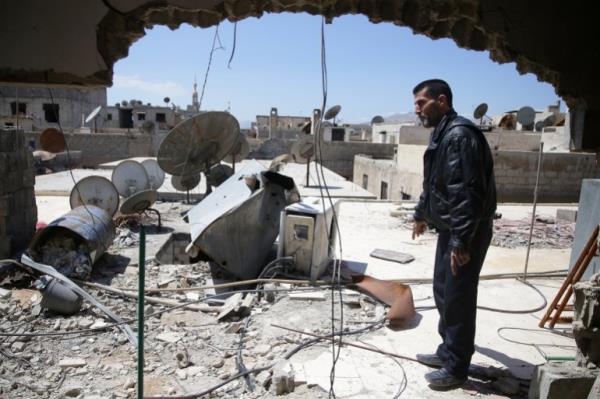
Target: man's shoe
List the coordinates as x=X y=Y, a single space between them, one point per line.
x=431 y=360
x=443 y=379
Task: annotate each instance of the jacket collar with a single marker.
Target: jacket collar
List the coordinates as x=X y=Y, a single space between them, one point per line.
x=440 y=129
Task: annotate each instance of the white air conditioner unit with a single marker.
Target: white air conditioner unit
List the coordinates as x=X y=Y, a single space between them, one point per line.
x=307 y=233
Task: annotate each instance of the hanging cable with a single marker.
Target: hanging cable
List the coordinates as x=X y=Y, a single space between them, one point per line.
x=233 y=47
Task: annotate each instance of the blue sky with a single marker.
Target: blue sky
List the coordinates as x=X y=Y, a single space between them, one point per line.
x=372 y=69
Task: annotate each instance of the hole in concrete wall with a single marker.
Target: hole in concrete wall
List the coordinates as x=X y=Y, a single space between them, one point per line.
x=337 y=134
x=141 y=116
x=51 y=113
x=21 y=108
x=365 y=181
x=161 y=117
x=125 y=118
x=109 y=117
x=173 y=251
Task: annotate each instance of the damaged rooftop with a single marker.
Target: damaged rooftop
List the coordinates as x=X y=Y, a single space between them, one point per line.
x=167 y=252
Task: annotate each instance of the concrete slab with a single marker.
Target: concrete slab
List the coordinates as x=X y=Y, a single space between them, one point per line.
x=587 y=219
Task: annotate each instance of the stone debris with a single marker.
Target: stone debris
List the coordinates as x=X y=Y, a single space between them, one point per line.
x=283 y=378
x=72 y=362
x=67 y=257
x=170 y=337
x=547 y=233
x=307 y=296
x=126 y=238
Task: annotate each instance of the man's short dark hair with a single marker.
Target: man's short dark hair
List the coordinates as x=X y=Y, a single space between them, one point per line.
x=435 y=87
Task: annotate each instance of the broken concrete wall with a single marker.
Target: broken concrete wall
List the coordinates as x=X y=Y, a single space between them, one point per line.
x=18 y=210
x=588 y=217
x=97 y=148
x=586 y=324
x=560 y=179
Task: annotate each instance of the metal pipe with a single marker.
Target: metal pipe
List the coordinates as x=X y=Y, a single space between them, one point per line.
x=140 y=312
x=535 y=193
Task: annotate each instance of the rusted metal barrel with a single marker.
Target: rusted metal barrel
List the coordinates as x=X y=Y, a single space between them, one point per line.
x=87 y=225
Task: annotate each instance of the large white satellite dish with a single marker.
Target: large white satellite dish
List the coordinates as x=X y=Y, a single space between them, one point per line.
x=156 y=176
x=130 y=177
x=95 y=190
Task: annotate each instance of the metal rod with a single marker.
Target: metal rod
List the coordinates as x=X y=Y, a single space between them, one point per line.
x=535 y=194
x=233 y=163
x=307 y=171
x=348 y=343
x=140 y=312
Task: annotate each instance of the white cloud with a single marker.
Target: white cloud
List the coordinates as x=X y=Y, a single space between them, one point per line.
x=164 y=88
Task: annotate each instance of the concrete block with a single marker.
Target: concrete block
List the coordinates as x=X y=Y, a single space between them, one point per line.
x=588 y=217
x=561 y=380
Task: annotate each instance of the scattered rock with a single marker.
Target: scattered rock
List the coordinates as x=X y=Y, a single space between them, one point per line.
x=4 y=294
x=17 y=347
x=263 y=378
x=234 y=328
x=73 y=392
x=183 y=359
x=218 y=363
x=72 y=362
x=262 y=349
x=181 y=374
x=283 y=378
x=170 y=337
x=129 y=383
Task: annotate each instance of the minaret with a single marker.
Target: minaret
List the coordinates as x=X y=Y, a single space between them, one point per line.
x=195 y=103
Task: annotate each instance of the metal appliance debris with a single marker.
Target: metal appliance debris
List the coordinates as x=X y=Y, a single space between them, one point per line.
x=236 y=225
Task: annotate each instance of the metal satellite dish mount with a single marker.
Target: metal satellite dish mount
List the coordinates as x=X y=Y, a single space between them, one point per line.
x=302 y=151
x=480 y=112
x=185 y=183
x=141 y=202
x=239 y=152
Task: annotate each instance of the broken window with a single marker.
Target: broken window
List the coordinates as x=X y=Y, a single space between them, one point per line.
x=383 y=136
x=141 y=116
x=51 y=113
x=21 y=108
x=384 y=190
x=161 y=117
x=301 y=232
x=365 y=182
x=109 y=117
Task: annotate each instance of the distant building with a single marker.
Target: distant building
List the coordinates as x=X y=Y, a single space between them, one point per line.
x=41 y=108
x=280 y=126
x=136 y=115
x=388 y=133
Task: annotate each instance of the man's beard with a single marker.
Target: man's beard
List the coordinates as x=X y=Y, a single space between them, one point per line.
x=431 y=120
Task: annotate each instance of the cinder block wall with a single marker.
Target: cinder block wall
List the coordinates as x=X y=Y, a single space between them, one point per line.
x=560 y=178
x=18 y=211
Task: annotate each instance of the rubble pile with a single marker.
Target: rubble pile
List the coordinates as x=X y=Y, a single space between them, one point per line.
x=67 y=257
x=125 y=238
x=547 y=233
x=185 y=351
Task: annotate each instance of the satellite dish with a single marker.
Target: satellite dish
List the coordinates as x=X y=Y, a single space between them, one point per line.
x=156 y=176
x=124 y=103
x=185 y=183
x=526 y=116
x=216 y=175
x=93 y=114
x=139 y=202
x=303 y=149
x=240 y=150
x=167 y=100
x=377 y=119
x=130 y=177
x=95 y=190
x=42 y=155
x=279 y=161
x=550 y=120
x=539 y=126
x=52 y=140
x=508 y=122
x=197 y=143
x=480 y=111
x=332 y=112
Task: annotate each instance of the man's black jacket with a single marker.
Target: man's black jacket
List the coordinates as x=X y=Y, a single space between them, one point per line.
x=459 y=189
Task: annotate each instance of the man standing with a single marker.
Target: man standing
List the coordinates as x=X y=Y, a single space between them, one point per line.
x=459 y=200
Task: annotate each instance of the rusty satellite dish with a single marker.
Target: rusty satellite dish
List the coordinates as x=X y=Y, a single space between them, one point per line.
x=185 y=183
x=52 y=140
x=332 y=112
x=217 y=174
x=139 y=202
x=377 y=119
x=156 y=176
x=198 y=143
x=240 y=150
x=97 y=191
x=130 y=177
x=526 y=117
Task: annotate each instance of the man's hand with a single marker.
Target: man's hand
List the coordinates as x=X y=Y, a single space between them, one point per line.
x=458 y=258
x=419 y=227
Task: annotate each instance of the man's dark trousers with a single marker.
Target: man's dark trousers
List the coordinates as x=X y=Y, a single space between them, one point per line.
x=456 y=299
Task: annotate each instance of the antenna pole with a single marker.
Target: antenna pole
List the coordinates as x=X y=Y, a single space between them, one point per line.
x=188 y=195
x=307 y=170
x=535 y=193
x=141 y=278
x=233 y=163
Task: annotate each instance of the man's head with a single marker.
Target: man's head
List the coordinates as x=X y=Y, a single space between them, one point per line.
x=433 y=98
